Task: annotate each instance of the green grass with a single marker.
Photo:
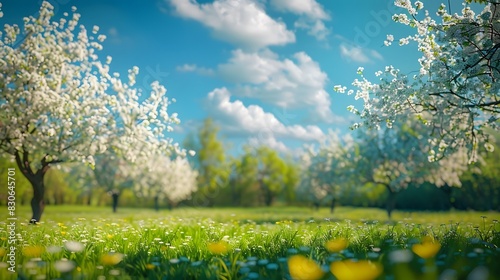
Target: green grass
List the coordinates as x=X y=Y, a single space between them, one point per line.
x=253 y=243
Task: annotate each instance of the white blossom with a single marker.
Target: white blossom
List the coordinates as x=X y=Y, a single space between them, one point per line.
x=456 y=82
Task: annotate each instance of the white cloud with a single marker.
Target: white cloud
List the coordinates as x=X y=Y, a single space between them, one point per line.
x=293 y=84
x=253 y=121
x=309 y=8
x=241 y=22
x=186 y=68
x=359 y=54
x=270 y=142
x=312 y=15
x=195 y=68
x=316 y=28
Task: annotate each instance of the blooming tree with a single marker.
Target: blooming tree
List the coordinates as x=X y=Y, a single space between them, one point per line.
x=60 y=103
x=397 y=157
x=166 y=178
x=114 y=174
x=329 y=170
x=457 y=90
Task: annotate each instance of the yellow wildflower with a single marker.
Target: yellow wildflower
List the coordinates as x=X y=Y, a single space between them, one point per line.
x=150 y=266
x=111 y=258
x=336 y=245
x=355 y=270
x=2 y=252
x=33 y=251
x=302 y=268
x=220 y=247
x=427 y=249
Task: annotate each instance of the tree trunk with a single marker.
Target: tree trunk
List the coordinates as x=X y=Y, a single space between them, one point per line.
x=391 y=203
x=269 y=198
x=316 y=205
x=89 y=201
x=332 y=205
x=447 y=190
x=37 y=202
x=37 y=183
x=115 y=196
x=157 y=204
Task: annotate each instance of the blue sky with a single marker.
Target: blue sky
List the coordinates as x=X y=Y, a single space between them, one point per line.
x=264 y=70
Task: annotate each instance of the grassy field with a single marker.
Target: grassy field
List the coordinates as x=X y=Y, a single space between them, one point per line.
x=77 y=242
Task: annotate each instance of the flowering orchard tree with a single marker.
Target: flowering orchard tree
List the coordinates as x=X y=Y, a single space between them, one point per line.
x=165 y=178
x=328 y=171
x=60 y=103
x=457 y=90
x=114 y=174
x=397 y=157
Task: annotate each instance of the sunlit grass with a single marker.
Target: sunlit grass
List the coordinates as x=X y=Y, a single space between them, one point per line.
x=74 y=242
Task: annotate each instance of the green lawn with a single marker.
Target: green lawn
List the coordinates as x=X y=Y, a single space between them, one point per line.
x=78 y=242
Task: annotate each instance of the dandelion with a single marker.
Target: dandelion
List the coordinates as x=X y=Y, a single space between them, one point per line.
x=302 y=268
x=53 y=249
x=111 y=258
x=355 y=270
x=74 y=246
x=150 y=266
x=336 y=245
x=64 y=266
x=33 y=251
x=2 y=252
x=218 y=248
x=427 y=249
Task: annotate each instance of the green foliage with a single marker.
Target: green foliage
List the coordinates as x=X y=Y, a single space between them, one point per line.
x=23 y=186
x=211 y=163
x=481 y=185
x=243 y=184
x=261 y=176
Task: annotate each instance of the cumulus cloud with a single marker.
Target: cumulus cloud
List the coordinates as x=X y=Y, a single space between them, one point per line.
x=253 y=121
x=312 y=15
x=296 y=83
x=309 y=8
x=269 y=141
x=359 y=54
x=241 y=22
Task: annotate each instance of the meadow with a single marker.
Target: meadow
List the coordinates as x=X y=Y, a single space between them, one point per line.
x=78 y=242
